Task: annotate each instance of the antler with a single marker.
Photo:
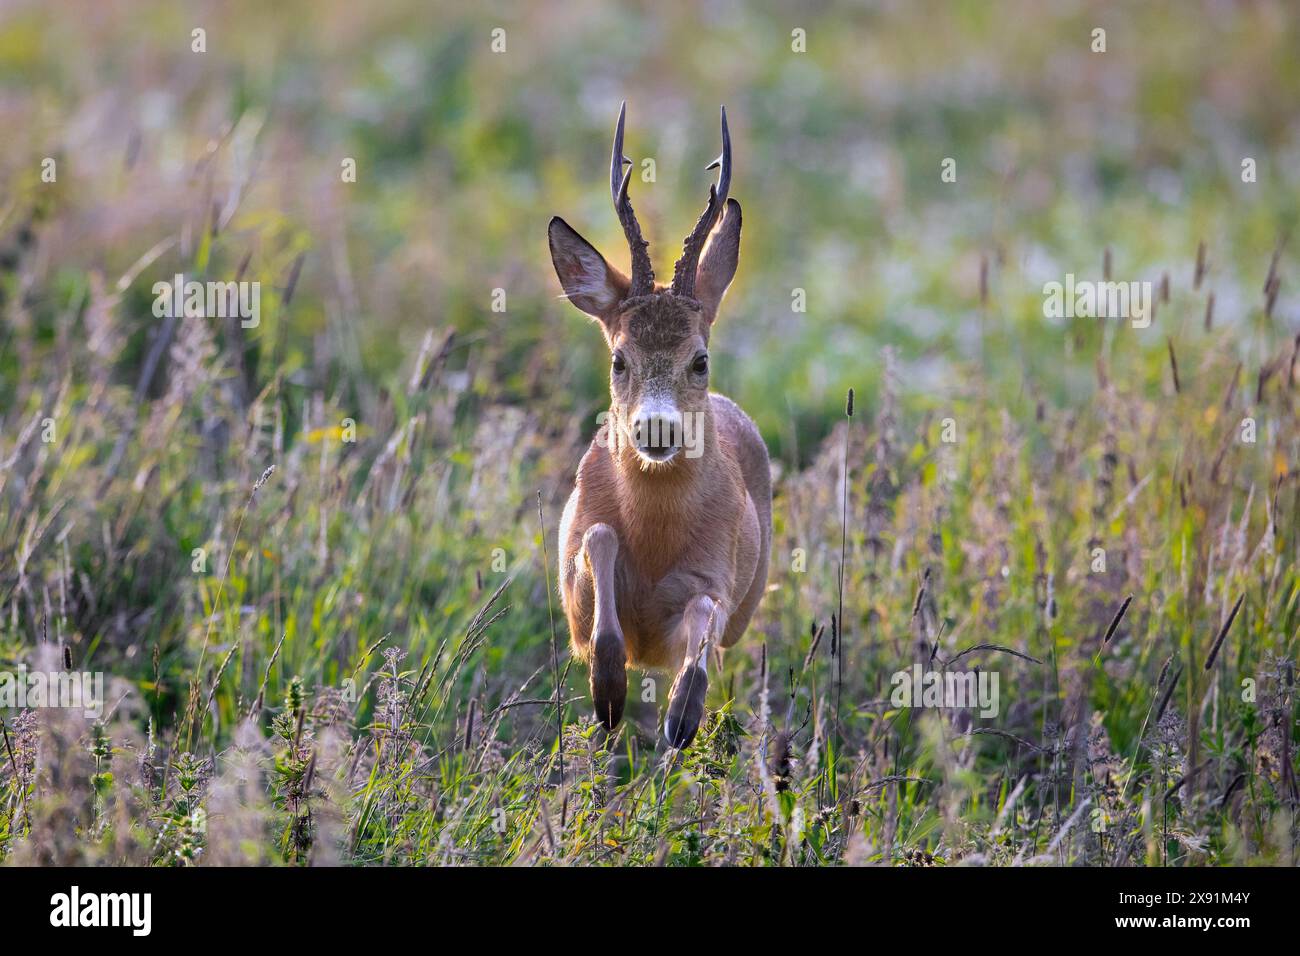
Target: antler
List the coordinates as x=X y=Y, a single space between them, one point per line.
x=643 y=275
x=684 y=270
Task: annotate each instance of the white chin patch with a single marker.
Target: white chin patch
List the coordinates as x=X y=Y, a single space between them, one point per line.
x=656 y=457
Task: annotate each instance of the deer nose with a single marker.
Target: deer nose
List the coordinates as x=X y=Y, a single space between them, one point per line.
x=658 y=433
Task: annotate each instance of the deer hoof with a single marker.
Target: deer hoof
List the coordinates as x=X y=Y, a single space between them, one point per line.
x=686 y=705
x=609 y=678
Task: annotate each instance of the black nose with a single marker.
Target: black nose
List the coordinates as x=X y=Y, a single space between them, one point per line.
x=658 y=434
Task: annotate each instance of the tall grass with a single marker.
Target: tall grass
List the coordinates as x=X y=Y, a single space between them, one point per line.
x=351 y=658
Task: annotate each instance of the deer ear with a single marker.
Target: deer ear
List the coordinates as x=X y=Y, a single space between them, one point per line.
x=589 y=282
x=718 y=261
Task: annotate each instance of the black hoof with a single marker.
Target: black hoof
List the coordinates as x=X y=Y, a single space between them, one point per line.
x=685 y=706
x=609 y=679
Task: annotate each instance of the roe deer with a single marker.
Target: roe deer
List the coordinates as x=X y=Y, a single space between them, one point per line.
x=665 y=539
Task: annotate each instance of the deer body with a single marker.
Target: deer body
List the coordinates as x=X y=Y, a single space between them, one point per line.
x=665 y=540
x=704 y=532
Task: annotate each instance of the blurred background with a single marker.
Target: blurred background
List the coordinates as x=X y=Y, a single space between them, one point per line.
x=463 y=154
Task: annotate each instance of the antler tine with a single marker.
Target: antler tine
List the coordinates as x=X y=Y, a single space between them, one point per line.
x=684 y=270
x=617 y=160
x=723 y=161
x=643 y=276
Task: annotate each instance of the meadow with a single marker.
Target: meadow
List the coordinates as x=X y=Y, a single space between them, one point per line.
x=315 y=558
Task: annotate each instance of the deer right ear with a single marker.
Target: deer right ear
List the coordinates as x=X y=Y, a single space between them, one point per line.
x=589 y=282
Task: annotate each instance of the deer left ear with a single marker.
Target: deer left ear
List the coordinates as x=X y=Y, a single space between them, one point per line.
x=718 y=261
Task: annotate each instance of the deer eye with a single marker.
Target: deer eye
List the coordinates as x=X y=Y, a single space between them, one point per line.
x=701 y=365
x=619 y=364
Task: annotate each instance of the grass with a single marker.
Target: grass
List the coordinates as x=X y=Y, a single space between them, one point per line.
x=307 y=556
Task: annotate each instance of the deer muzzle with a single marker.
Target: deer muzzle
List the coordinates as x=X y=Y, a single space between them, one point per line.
x=657 y=431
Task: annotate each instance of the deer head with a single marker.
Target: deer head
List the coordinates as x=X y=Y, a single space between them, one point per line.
x=658 y=335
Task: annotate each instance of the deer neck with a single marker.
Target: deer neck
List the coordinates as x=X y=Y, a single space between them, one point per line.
x=661 y=507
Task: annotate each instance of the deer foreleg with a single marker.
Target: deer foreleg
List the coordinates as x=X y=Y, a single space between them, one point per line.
x=608 y=655
x=703 y=621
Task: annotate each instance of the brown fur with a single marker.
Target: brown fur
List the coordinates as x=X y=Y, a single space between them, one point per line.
x=702 y=526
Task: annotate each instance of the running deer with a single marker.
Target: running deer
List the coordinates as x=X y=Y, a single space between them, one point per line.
x=665 y=539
